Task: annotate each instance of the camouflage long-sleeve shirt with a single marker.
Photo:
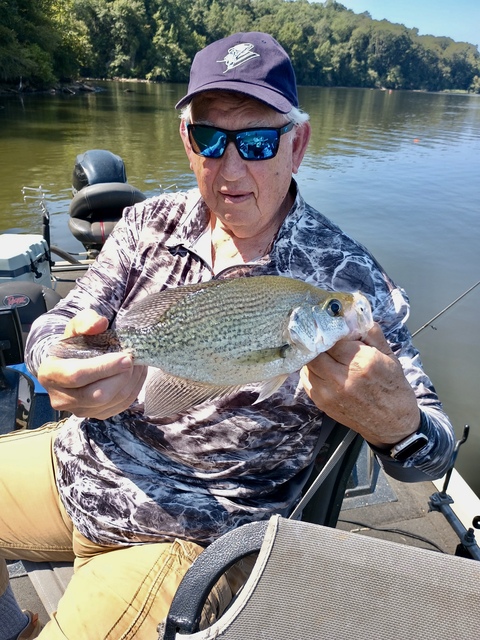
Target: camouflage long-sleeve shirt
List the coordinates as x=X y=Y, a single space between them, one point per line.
x=130 y=479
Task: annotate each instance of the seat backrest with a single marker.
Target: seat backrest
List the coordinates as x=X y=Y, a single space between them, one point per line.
x=332 y=469
x=318 y=583
x=95 y=210
x=321 y=503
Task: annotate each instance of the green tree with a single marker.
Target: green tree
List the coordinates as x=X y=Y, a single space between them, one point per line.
x=174 y=43
x=41 y=40
x=28 y=41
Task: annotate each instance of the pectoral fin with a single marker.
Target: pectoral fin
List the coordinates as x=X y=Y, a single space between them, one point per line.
x=263 y=356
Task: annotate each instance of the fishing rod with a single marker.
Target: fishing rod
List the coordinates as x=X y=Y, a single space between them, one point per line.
x=446 y=309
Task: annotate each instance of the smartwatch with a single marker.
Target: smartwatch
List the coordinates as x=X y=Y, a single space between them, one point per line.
x=407 y=448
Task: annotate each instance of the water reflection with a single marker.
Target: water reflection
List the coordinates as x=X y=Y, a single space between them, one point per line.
x=367 y=122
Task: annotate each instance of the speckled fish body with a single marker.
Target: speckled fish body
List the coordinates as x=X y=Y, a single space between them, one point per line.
x=210 y=339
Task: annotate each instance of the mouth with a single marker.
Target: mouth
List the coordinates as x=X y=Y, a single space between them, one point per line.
x=359 y=317
x=230 y=197
x=364 y=314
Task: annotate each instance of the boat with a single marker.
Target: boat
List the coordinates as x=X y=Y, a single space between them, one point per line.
x=34 y=274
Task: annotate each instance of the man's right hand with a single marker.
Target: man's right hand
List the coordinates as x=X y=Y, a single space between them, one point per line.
x=97 y=387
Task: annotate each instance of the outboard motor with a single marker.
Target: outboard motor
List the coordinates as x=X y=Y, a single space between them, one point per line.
x=101 y=193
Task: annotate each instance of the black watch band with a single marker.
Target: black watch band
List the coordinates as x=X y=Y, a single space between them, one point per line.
x=411 y=445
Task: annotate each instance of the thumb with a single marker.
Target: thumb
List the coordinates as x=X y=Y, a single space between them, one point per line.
x=375 y=338
x=86 y=322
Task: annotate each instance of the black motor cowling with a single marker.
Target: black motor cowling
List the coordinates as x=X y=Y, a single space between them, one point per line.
x=101 y=193
x=96 y=166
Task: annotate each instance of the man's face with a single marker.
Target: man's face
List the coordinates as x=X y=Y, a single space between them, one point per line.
x=247 y=197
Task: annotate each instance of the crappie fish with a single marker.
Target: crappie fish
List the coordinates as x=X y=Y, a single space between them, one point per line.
x=208 y=340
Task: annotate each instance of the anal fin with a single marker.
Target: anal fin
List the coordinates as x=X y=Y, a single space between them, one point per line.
x=167 y=395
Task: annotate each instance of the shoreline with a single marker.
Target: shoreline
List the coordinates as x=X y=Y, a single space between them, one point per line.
x=68 y=88
x=87 y=85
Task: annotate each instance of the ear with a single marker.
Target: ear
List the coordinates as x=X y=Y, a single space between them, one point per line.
x=186 y=141
x=300 y=144
x=184 y=132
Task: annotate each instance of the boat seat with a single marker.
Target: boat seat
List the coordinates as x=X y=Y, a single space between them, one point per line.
x=96 y=209
x=17 y=400
x=16 y=388
x=319 y=583
x=330 y=475
x=11 y=339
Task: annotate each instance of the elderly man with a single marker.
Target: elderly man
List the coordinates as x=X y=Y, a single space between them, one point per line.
x=133 y=499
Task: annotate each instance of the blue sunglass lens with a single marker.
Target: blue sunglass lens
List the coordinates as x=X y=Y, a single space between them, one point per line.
x=208 y=141
x=259 y=144
x=253 y=144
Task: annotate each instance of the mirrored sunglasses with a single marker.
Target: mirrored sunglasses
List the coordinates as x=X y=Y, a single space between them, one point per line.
x=251 y=144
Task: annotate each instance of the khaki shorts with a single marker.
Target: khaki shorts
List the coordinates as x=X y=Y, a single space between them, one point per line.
x=116 y=592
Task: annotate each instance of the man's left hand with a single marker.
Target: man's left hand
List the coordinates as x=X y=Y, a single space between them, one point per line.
x=361 y=384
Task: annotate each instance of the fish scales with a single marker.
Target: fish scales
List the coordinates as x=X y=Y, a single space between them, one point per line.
x=200 y=317
x=223 y=325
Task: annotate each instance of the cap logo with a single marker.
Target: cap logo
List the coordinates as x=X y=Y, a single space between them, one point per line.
x=239 y=54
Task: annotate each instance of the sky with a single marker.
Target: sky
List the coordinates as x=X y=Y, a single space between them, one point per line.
x=457 y=19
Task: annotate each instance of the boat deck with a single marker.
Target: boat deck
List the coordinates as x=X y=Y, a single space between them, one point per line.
x=405 y=520
x=65 y=275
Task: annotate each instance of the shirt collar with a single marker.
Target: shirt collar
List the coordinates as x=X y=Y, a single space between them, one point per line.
x=194 y=232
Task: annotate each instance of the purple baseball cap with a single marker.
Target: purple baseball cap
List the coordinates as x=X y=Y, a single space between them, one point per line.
x=250 y=63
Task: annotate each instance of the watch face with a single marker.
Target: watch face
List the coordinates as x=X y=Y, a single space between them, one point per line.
x=409 y=447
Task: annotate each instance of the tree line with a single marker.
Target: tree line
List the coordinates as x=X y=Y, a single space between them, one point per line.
x=46 y=41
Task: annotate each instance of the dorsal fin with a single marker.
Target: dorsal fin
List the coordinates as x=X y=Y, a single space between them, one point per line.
x=148 y=311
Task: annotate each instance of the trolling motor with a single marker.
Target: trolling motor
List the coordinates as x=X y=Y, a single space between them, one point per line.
x=100 y=194
x=441 y=501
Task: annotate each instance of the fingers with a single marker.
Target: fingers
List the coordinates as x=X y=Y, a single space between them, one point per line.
x=98 y=391
x=74 y=373
x=103 y=399
x=375 y=338
x=356 y=353
x=362 y=385
x=97 y=387
x=86 y=322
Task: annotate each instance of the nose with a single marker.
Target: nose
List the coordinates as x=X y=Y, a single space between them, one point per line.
x=233 y=166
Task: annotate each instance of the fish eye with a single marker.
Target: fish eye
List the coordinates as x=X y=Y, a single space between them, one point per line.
x=334 y=308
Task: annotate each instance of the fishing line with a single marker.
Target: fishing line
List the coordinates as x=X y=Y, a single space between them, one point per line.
x=446 y=309
x=402 y=532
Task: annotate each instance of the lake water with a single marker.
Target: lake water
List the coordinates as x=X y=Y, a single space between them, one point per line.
x=399 y=171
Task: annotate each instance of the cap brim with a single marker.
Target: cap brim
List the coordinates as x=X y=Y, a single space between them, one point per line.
x=268 y=96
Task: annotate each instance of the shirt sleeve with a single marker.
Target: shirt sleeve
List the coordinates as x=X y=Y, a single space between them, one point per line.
x=435 y=458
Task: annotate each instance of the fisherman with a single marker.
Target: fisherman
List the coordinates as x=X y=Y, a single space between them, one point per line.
x=133 y=500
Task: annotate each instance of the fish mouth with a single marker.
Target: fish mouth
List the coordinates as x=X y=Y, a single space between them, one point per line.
x=360 y=319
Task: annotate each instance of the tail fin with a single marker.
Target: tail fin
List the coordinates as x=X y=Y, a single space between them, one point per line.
x=86 y=346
